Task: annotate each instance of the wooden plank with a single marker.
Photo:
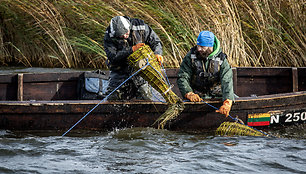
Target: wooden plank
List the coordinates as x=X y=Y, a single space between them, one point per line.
x=61 y=116
x=302 y=79
x=247 y=86
x=8 y=92
x=175 y=89
x=172 y=72
x=20 y=88
x=8 y=78
x=235 y=80
x=54 y=77
x=8 y=87
x=295 y=85
x=63 y=86
x=50 y=91
x=263 y=81
x=265 y=71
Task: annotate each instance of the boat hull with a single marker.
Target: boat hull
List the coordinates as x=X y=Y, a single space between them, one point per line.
x=49 y=101
x=61 y=115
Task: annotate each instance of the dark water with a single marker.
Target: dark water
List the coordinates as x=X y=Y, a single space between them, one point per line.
x=146 y=150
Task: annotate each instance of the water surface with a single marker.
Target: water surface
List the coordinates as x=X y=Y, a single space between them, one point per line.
x=147 y=150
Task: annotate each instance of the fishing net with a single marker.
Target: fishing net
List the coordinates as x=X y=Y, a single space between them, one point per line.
x=151 y=72
x=237 y=129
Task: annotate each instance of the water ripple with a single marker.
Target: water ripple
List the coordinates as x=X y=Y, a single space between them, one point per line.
x=147 y=150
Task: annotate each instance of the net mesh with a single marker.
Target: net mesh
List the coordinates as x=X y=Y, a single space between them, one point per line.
x=237 y=129
x=152 y=74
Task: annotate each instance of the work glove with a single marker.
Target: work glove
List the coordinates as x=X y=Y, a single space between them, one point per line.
x=159 y=59
x=137 y=46
x=193 y=97
x=226 y=107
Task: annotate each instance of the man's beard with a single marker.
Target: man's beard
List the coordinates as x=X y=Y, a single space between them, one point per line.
x=202 y=55
x=123 y=42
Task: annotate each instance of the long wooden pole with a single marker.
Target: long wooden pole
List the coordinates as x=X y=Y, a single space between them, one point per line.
x=20 y=88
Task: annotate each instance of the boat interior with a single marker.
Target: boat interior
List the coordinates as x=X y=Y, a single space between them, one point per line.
x=249 y=82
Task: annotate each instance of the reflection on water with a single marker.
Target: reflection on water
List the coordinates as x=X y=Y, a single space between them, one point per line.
x=147 y=150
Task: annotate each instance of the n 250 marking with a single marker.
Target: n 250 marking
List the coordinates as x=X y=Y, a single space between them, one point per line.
x=295 y=117
x=288 y=117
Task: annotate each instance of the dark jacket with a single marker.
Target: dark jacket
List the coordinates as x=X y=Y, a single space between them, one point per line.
x=203 y=77
x=117 y=50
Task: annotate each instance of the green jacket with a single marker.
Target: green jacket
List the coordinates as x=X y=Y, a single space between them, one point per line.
x=186 y=81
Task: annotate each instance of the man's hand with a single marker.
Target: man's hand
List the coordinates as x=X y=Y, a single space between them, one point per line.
x=226 y=107
x=159 y=59
x=193 y=97
x=137 y=46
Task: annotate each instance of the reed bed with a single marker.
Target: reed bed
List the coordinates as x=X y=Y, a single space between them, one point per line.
x=69 y=33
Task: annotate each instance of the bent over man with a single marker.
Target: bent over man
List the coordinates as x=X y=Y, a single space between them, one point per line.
x=123 y=36
x=205 y=73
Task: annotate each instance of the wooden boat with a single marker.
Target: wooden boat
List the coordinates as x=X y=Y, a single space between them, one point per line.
x=48 y=101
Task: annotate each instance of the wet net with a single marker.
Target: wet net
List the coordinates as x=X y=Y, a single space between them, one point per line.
x=237 y=129
x=145 y=58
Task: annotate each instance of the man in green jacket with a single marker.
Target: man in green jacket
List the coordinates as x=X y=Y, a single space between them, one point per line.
x=205 y=73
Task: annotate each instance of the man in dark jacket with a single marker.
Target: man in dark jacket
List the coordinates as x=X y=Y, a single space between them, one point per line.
x=124 y=36
x=205 y=73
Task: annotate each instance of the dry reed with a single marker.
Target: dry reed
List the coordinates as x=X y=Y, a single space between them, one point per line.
x=69 y=33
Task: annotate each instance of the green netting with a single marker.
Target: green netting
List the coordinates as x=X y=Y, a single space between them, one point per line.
x=152 y=74
x=237 y=129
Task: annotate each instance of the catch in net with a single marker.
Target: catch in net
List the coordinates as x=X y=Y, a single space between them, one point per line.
x=145 y=58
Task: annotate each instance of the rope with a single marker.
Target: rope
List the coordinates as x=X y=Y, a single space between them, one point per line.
x=165 y=80
x=155 y=96
x=105 y=98
x=165 y=73
x=237 y=120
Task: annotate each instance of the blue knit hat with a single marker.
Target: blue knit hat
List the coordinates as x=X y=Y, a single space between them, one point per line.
x=206 y=39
